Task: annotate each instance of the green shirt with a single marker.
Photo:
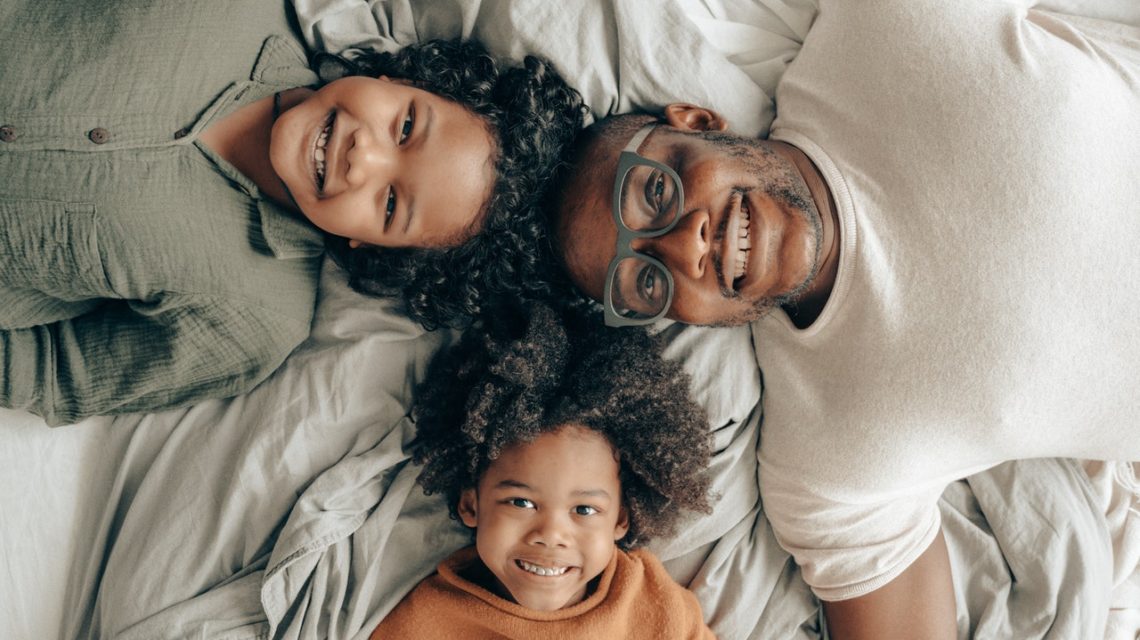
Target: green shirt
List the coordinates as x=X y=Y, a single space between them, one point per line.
x=138 y=270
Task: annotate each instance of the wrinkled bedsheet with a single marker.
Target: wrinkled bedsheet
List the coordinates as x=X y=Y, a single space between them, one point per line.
x=292 y=512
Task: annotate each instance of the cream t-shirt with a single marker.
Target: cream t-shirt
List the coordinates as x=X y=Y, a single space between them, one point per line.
x=985 y=162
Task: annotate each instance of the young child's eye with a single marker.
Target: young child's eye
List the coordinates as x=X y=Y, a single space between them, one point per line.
x=389 y=208
x=409 y=124
x=585 y=510
x=521 y=503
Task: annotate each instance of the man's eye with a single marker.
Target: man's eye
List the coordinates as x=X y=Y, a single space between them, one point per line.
x=409 y=124
x=659 y=195
x=647 y=282
x=585 y=510
x=521 y=503
x=654 y=190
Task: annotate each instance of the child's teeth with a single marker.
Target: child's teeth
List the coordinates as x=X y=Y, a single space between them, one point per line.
x=542 y=571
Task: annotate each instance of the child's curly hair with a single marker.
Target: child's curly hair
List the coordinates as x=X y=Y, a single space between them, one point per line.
x=532 y=114
x=542 y=369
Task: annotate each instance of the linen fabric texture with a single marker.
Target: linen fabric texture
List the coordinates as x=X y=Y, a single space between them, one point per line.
x=139 y=270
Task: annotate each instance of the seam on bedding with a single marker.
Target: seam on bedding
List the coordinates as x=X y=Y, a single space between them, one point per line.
x=320 y=542
x=272 y=597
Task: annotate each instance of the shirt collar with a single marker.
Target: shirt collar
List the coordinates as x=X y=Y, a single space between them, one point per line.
x=282 y=64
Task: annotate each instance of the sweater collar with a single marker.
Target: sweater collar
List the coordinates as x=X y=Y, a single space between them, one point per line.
x=451 y=568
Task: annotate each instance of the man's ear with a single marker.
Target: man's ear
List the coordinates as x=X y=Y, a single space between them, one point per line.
x=683 y=115
x=469 y=508
x=622 y=526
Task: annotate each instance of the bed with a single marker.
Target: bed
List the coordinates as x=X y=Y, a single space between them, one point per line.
x=292 y=511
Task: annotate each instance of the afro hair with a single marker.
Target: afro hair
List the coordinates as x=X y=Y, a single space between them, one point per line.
x=543 y=369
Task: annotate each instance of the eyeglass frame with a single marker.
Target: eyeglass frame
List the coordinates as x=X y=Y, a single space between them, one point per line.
x=627 y=160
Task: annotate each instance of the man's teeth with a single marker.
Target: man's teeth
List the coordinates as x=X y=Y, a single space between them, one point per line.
x=541 y=571
x=743 y=244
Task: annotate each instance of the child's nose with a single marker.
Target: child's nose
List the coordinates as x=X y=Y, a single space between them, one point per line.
x=369 y=158
x=550 y=530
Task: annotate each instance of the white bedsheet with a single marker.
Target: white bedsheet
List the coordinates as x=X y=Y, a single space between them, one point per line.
x=291 y=512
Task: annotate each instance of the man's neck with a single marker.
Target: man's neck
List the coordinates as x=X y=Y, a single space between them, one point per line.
x=807 y=308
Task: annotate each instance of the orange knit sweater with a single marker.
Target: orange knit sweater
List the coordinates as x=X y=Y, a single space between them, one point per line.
x=635 y=599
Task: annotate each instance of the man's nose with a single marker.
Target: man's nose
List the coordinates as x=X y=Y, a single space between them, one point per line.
x=685 y=248
x=368 y=158
x=550 y=530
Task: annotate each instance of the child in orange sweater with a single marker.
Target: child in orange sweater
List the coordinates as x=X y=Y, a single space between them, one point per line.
x=564 y=446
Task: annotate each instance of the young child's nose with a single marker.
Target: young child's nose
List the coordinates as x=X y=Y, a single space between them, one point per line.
x=549 y=531
x=368 y=158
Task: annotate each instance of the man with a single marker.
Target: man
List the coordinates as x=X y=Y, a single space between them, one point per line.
x=936 y=246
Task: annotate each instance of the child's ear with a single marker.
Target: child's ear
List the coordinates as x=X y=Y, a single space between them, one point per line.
x=468 y=508
x=622 y=526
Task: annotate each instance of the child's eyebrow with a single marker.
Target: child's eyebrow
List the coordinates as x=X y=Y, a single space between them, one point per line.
x=587 y=493
x=592 y=493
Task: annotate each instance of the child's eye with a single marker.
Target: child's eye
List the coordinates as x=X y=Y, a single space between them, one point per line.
x=521 y=503
x=585 y=510
x=390 y=204
x=409 y=124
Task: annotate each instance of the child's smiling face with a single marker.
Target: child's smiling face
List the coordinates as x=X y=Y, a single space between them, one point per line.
x=547 y=514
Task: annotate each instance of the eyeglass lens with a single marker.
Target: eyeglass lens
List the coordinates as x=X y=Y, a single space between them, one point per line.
x=650 y=201
x=649 y=198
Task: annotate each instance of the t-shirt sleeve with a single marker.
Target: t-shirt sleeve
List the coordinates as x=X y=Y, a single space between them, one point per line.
x=128 y=356
x=846 y=549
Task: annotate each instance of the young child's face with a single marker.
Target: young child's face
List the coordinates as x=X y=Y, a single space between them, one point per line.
x=546 y=516
x=367 y=159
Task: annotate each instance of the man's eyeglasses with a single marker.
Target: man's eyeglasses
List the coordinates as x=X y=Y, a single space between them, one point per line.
x=648 y=200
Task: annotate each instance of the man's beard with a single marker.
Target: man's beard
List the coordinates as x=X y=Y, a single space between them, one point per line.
x=787 y=189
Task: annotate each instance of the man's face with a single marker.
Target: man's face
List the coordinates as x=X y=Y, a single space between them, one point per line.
x=748 y=239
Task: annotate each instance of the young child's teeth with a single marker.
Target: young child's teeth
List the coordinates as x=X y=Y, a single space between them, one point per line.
x=542 y=571
x=319 y=153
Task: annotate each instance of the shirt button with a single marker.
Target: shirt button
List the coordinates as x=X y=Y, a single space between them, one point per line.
x=7 y=133
x=99 y=135
x=182 y=133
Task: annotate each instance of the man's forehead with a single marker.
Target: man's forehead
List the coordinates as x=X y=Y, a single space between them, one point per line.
x=586 y=233
x=586 y=230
